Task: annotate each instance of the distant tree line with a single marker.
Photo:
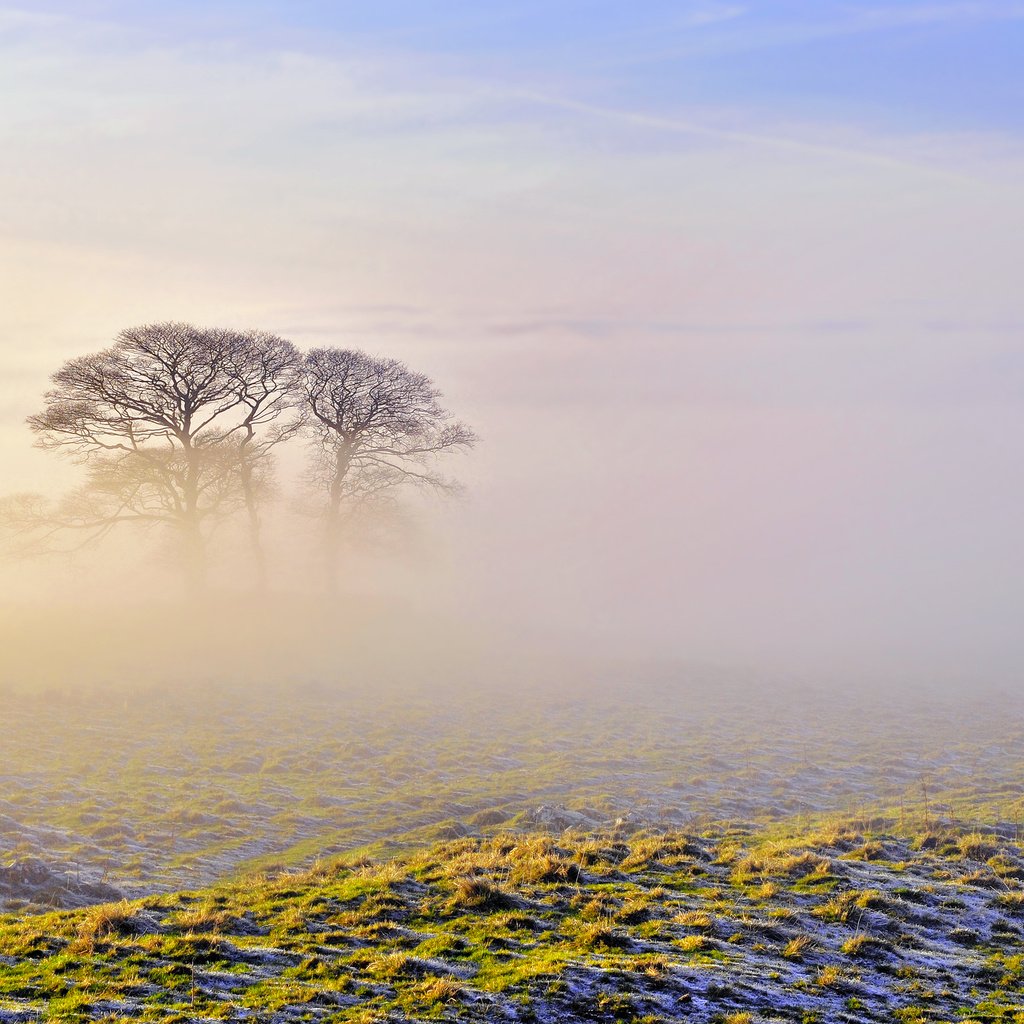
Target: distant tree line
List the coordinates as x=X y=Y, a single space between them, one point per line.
x=177 y=427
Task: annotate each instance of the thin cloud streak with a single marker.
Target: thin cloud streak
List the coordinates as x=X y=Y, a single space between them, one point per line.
x=930 y=14
x=679 y=126
x=751 y=38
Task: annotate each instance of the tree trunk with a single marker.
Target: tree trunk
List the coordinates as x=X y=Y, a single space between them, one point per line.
x=332 y=534
x=193 y=557
x=194 y=550
x=332 y=562
x=259 y=557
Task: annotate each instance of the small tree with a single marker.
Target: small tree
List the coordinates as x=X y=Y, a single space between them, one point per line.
x=376 y=426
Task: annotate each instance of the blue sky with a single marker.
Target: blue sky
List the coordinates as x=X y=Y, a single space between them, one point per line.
x=939 y=65
x=763 y=259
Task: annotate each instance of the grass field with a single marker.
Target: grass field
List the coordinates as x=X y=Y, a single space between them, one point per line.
x=618 y=848
x=156 y=790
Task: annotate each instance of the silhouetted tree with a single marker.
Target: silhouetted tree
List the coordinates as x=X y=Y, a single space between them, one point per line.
x=173 y=423
x=376 y=426
x=176 y=427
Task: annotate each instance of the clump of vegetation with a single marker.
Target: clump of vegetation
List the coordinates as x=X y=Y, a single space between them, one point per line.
x=480 y=892
x=975 y=846
x=203 y=918
x=799 y=946
x=860 y=944
x=540 y=861
x=692 y=943
x=850 y=904
x=109 y=920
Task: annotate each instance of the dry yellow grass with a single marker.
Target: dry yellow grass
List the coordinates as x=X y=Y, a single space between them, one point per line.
x=799 y=946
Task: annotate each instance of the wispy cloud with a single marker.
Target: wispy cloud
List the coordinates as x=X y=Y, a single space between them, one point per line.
x=878 y=18
x=13 y=18
x=607 y=327
x=747 y=30
x=748 y=137
x=712 y=15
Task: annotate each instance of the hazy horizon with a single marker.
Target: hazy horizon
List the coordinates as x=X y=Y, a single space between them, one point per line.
x=730 y=295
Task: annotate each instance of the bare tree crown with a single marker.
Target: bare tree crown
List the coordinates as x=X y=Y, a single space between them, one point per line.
x=377 y=426
x=172 y=382
x=379 y=410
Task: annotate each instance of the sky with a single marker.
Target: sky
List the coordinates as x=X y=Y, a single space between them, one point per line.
x=730 y=291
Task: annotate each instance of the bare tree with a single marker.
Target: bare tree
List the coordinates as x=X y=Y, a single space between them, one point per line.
x=166 y=421
x=177 y=426
x=376 y=426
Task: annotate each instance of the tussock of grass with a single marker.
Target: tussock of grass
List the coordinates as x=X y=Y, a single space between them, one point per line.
x=109 y=919
x=849 y=905
x=975 y=846
x=478 y=891
x=202 y=919
x=829 y=976
x=438 y=990
x=860 y=944
x=769 y=864
x=538 y=861
x=695 y=919
x=1012 y=899
x=799 y=946
x=692 y=943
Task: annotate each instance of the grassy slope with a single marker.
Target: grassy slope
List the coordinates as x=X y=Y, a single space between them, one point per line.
x=842 y=925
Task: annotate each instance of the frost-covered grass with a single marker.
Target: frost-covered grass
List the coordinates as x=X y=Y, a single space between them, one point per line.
x=655 y=852
x=732 y=924
x=163 y=789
